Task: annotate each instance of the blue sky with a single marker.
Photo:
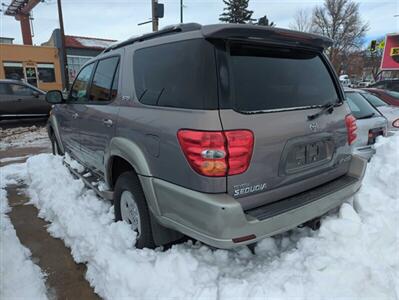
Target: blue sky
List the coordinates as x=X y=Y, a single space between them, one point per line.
x=117 y=19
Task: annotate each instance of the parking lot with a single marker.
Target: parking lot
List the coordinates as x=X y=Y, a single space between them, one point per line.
x=81 y=253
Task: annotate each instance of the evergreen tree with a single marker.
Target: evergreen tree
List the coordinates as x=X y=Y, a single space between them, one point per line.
x=264 y=21
x=236 y=11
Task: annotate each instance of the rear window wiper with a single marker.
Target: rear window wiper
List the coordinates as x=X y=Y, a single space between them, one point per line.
x=328 y=107
x=366 y=116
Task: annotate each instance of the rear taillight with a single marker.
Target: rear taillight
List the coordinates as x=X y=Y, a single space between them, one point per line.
x=350 y=122
x=395 y=123
x=217 y=153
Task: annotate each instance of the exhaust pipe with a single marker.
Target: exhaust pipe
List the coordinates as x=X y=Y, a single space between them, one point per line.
x=313 y=224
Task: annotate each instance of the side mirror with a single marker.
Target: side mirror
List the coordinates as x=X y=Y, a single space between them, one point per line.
x=35 y=94
x=54 y=97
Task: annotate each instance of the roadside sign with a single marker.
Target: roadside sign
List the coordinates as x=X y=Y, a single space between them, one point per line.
x=390 y=58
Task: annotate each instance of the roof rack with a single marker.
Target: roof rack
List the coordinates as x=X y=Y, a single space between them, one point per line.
x=172 y=29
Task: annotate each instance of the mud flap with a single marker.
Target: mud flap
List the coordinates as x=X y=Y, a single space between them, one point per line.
x=161 y=234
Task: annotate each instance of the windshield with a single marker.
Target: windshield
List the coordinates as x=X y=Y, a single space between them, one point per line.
x=359 y=106
x=374 y=100
x=266 y=78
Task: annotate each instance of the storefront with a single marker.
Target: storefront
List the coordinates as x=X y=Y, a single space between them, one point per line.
x=36 y=65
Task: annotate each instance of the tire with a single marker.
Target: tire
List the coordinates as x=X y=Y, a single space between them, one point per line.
x=54 y=145
x=128 y=185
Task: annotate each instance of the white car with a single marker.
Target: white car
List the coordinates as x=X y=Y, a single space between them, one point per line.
x=369 y=121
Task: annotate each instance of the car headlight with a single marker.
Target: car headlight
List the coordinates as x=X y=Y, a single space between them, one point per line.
x=395 y=123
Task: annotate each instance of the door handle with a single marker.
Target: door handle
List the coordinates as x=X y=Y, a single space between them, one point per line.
x=75 y=116
x=108 y=122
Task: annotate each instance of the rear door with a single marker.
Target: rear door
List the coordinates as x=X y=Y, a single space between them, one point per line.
x=99 y=115
x=30 y=101
x=272 y=92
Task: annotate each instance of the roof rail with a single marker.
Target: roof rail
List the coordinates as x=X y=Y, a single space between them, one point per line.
x=171 y=29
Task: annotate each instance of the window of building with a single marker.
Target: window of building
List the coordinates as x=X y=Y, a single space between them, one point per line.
x=181 y=74
x=13 y=70
x=79 y=88
x=102 y=81
x=46 y=72
x=74 y=65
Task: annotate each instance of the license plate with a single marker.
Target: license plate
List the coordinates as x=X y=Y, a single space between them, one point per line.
x=306 y=155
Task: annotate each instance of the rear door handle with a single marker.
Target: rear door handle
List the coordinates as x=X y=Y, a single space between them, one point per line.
x=108 y=122
x=75 y=116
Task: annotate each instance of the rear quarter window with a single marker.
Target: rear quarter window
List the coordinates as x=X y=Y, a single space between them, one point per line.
x=180 y=74
x=266 y=78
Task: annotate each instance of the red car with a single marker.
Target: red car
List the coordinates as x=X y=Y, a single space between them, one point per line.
x=389 y=97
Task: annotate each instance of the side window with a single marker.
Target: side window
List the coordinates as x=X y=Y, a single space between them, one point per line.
x=79 y=87
x=21 y=90
x=5 y=89
x=181 y=74
x=102 y=88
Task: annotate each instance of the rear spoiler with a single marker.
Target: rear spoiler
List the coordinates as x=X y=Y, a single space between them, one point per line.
x=266 y=34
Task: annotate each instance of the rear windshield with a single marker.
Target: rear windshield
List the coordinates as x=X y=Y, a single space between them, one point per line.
x=278 y=78
x=374 y=100
x=393 y=94
x=359 y=106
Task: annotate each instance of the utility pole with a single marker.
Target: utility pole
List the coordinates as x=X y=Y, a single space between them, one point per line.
x=154 y=4
x=181 y=11
x=63 y=50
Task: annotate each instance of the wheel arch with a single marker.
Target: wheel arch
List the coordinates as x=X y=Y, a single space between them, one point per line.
x=125 y=155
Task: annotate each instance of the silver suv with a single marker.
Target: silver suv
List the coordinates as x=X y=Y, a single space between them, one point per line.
x=224 y=133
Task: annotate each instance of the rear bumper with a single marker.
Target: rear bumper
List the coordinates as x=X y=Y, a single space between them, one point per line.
x=217 y=219
x=366 y=152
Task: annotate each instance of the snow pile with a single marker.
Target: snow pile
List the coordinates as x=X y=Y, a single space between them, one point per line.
x=32 y=136
x=20 y=278
x=353 y=256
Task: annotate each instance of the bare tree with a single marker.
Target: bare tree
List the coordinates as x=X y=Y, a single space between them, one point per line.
x=302 y=21
x=340 y=20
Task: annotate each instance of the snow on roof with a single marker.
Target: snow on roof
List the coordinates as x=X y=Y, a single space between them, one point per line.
x=87 y=42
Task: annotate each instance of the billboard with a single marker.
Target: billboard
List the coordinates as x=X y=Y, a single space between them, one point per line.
x=390 y=58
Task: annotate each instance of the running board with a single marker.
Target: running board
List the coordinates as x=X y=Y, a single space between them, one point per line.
x=91 y=182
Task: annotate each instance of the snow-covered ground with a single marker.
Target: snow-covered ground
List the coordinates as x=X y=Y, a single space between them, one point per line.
x=354 y=255
x=32 y=136
x=20 y=278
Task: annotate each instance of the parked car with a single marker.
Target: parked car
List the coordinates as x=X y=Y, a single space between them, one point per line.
x=389 y=97
x=224 y=139
x=369 y=121
x=363 y=84
x=388 y=84
x=21 y=100
x=391 y=113
x=345 y=81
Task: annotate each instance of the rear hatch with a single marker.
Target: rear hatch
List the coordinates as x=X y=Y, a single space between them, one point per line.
x=277 y=92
